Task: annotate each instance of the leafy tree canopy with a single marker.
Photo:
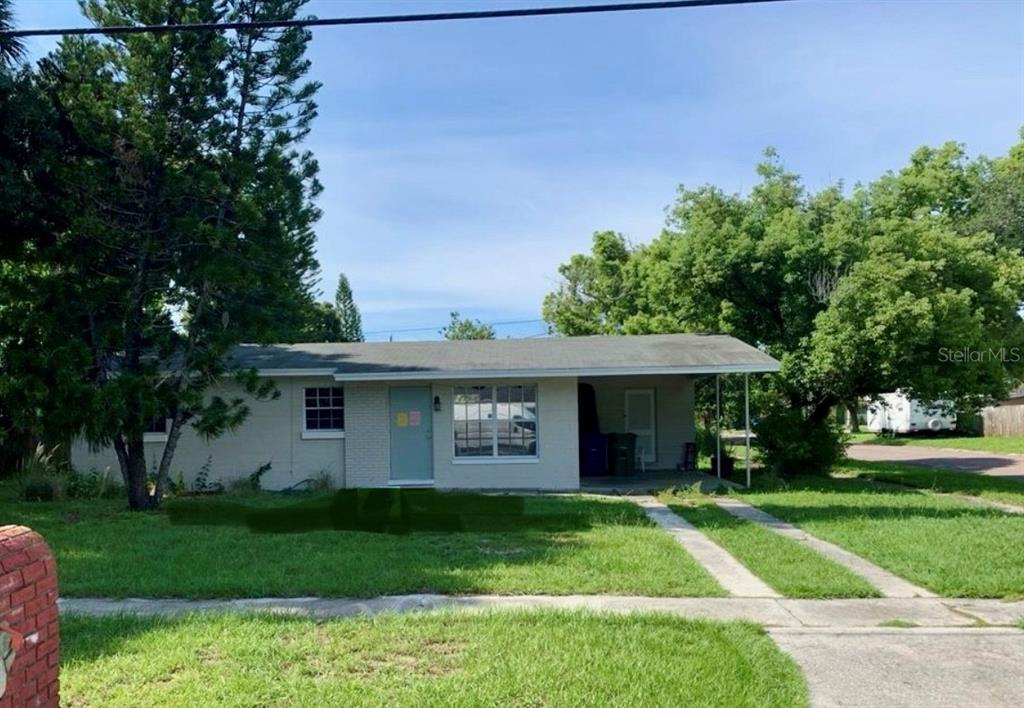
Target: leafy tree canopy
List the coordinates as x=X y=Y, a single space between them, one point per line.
x=855 y=294
x=464 y=328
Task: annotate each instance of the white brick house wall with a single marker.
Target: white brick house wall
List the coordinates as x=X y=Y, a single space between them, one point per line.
x=367 y=435
x=673 y=401
x=557 y=463
x=271 y=433
x=274 y=433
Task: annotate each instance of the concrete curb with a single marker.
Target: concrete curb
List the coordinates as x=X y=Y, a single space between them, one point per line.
x=771 y=612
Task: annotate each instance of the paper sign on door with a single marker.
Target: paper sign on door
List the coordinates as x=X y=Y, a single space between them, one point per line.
x=402 y=419
x=414 y=419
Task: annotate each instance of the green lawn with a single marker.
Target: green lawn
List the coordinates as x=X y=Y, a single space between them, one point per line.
x=102 y=550
x=1003 y=445
x=436 y=659
x=952 y=547
x=787 y=566
x=950 y=481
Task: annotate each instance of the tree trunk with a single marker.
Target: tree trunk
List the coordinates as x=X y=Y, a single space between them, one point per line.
x=173 y=435
x=851 y=412
x=122 y=459
x=822 y=409
x=132 y=457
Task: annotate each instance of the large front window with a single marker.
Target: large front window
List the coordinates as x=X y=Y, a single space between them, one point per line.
x=495 y=420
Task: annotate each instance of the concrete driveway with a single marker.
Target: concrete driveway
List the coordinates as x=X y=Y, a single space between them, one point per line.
x=934 y=667
x=987 y=463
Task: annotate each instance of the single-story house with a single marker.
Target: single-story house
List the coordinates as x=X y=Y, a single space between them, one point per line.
x=493 y=414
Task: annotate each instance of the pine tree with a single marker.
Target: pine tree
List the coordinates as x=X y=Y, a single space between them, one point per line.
x=347 y=312
x=191 y=217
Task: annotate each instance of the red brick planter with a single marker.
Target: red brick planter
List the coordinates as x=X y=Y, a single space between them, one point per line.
x=28 y=612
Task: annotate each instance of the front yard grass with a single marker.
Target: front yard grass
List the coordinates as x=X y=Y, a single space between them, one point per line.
x=525 y=658
x=1012 y=444
x=1002 y=489
x=952 y=547
x=103 y=550
x=788 y=567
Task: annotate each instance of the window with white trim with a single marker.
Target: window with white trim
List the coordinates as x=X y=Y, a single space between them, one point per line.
x=156 y=426
x=325 y=409
x=495 y=420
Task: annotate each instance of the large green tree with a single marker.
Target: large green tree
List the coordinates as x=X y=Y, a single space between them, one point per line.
x=999 y=197
x=190 y=217
x=33 y=348
x=855 y=294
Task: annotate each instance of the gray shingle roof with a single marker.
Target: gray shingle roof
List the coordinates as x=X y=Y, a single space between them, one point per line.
x=553 y=356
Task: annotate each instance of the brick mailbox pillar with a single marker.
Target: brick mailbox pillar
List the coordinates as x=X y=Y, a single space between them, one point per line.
x=28 y=620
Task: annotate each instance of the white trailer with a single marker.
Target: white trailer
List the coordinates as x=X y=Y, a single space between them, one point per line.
x=898 y=413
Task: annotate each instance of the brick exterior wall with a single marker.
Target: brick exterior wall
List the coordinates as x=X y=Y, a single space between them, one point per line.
x=273 y=432
x=557 y=463
x=367 y=435
x=28 y=606
x=368 y=440
x=673 y=401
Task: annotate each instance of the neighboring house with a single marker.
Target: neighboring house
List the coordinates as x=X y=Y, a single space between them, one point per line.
x=1016 y=398
x=484 y=414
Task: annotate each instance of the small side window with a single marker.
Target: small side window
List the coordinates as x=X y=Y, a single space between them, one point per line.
x=325 y=409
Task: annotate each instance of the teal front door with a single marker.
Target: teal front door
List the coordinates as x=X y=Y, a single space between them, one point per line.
x=412 y=435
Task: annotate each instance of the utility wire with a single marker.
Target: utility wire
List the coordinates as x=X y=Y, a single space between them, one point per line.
x=381 y=19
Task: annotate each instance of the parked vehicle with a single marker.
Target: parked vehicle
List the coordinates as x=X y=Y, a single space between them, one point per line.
x=898 y=413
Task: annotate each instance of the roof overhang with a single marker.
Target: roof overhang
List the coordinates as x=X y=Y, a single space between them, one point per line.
x=429 y=375
x=288 y=373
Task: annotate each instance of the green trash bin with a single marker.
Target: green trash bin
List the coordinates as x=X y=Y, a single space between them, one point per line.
x=622 y=454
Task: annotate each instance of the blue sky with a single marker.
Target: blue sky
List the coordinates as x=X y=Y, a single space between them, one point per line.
x=463 y=162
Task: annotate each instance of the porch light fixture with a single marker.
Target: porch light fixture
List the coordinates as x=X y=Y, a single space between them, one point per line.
x=437 y=404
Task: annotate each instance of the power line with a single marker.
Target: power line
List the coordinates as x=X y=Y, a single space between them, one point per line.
x=381 y=19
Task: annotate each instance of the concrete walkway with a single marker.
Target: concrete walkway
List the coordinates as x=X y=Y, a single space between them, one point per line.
x=937 y=667
x=888 y=584
x=729 y=572
x=985 y=463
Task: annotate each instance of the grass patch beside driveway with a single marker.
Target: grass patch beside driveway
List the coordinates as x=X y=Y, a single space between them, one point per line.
x=787 y=566
x=102 y=550
x=1000 y=489
x=952 y=547
x=437 y=659
x=1012 y=445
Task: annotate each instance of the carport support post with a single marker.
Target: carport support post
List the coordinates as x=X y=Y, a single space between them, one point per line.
x=746 y=409
x=718 y=425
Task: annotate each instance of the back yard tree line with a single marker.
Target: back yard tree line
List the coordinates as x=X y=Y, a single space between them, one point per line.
x=855 y=294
